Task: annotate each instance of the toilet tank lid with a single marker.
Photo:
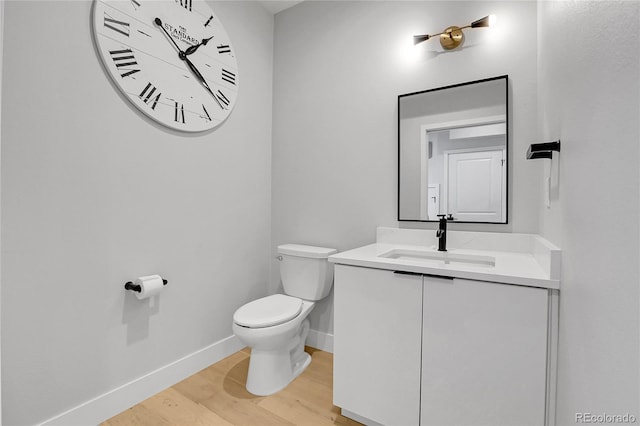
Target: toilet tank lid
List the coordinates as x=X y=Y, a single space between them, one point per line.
x=306 y=251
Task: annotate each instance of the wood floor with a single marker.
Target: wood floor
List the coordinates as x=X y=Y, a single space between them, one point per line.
x=217 y=396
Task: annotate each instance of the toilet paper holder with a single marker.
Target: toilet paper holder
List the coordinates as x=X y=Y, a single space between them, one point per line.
x=129 y=285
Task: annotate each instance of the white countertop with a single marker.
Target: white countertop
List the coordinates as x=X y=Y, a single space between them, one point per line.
x=511 y=267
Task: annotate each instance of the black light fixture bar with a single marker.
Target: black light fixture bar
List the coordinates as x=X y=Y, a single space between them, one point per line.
x=420 y=38
x=482 y=22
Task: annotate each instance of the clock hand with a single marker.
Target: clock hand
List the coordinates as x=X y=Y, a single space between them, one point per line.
x=193 y=69
x=158 y=22
x=192 y=49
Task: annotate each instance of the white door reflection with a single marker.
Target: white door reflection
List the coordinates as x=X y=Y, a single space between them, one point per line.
x=463 y=170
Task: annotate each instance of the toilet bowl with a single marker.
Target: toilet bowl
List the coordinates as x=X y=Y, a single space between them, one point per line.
x=276 y=327
x=277 y=350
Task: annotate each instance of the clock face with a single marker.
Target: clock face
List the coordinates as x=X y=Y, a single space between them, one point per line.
x=171 y=58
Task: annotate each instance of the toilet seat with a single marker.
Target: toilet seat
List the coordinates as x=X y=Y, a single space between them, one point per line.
x=268 y=311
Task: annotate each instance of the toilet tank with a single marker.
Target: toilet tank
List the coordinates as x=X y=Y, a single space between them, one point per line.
x=305 y=271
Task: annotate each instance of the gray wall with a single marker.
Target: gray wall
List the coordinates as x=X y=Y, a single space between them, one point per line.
x=589 y=80
x=339 y=67
x=94 y=194
x=1 y=57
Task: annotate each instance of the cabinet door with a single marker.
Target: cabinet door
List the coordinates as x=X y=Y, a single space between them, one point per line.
x=377 y=344
x=484 y=353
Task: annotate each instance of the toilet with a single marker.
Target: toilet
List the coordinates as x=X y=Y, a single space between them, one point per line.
x=276 y=327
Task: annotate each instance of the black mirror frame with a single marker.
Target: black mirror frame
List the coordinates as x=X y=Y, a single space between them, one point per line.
x=506 y=78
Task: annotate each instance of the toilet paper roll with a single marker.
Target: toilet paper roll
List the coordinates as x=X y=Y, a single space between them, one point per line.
x=149 y=286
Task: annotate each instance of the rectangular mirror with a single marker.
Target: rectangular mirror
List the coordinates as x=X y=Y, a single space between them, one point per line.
x=453 y=147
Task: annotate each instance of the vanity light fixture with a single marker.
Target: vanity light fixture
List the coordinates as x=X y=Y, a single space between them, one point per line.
x=453 y=36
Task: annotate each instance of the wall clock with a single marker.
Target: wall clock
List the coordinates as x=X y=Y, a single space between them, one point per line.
x=171 y=58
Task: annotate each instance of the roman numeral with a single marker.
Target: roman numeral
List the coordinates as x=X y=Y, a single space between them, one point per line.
x=124 y=60
x=147 y=95
x=135 y=4
x=208 y=21
x=228 y=76
x=179 y=113
x=185 y=3
x=208 y=117
x=224 y=48
x=222 y=98
x=115 y=25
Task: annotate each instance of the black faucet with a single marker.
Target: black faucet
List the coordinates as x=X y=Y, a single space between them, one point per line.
x=441 y=234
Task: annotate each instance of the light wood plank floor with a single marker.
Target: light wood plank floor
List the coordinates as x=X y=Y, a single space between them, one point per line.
x=217 y=396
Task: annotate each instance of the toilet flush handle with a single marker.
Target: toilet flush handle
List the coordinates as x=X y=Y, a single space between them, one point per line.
x=279 y=258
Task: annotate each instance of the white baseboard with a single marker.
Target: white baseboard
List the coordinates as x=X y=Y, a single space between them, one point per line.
x=320 y=340
x=117 y=400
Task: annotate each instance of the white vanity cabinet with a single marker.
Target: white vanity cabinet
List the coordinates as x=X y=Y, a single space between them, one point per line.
x=377 y=344
x=415 y=349
x=484 y=353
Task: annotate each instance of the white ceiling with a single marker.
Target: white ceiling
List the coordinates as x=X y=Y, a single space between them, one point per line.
x=275 y=6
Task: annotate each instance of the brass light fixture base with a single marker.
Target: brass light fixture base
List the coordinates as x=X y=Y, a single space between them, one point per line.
x=451 y=37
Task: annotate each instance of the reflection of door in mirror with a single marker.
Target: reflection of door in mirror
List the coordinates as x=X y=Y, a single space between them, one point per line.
x=467 y=159
x=475 y=185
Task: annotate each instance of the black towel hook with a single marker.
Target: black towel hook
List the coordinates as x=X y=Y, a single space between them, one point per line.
x=542 y=150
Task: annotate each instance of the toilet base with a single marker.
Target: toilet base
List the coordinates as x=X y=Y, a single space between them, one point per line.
x=301 y=365
x=271 y=371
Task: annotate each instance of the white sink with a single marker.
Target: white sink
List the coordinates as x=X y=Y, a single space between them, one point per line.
x=440 y=257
